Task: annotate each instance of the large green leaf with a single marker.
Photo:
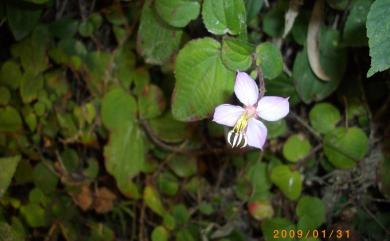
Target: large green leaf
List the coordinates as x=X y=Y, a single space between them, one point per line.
x=124 y=154
x=311 y=213
x=236 y=54
x=345 y=146
x=30 y=87
x=354 y=33
x=22 y=20
x=8 y=168
x=10 y=74
x=224 y=16
x=252 y=8
x=269 y=58
x=178 y=13
x=156 y=41
x=333 y=60
x=202 y=80
x=378 y=32
x=10 y=119
x=289 y=182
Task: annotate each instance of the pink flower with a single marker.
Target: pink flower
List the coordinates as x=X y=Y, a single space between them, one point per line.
x=244 y=120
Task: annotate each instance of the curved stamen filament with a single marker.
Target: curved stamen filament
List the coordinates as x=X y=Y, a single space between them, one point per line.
x=238 y=132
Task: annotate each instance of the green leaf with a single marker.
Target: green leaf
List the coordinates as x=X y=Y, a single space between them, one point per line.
x=273 y=23
x=252 y=8
x=276 y=128
x=32 y=51
x=269 y=58
x=236 y=54
x=354 y=33
x=10 y=119
x=34 y=214
x=224 y=16
x=282 y=85
x=151 y=102
x=202 y=80
x=8 y=233
x=183 y=166
x=160 y=234
x=44 y=178
x=178 y=13
x=180 y=213
x=5 y=95
x=10 y=74
x=63 y=28
x=378 y=32
x=289 y=182
x=333 y=60
x=152 y=200
x=30 y=87
x=118 y=109
x=311 y=213
x=156 y=41
x=168 y=129
x=257 y=173
x=324 y=117
x=8 y=168
x=345 y=146
x=268 y=227
x=22 y=20
x=124 y=154
x=296 y=148
x=168 y=183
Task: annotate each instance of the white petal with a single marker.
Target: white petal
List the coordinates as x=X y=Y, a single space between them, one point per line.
x=246 y=89
x=256 y=133
x=227 y=114
x=273 y=108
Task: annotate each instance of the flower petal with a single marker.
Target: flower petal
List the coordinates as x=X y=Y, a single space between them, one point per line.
x=256 y=133
x=227 y=114
x=246 y=89
x=273 y=108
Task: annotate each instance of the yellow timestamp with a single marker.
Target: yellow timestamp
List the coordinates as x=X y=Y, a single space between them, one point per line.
x=315 y=233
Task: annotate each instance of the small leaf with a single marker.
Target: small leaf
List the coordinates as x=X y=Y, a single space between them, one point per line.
x=224 y=16
x=257 y=174
x=10 y=74
x=344 y=147
x=34 y=214
x=9 y=233
x=44 y=178
x=199 y=66
x=276 y=128
x=168 y=183
x=155 y=41
x=378 y=32
x=168 y=129
x=252 y=8
x=269 y=58
x=8 y=168
x=151 y=102
x=311 y=213
x=296 y=148
x=10 y=119
x=183 y=166
x=236 y=54
x=289 y=182
x=324 y=117
x=273 y=23
x=178 y=13
x=160 y=233
x=152 y=200
x=30 y=87
x=354 y=33
x=22 y=20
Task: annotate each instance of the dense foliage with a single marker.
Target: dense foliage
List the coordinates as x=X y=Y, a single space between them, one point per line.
x=106 y=109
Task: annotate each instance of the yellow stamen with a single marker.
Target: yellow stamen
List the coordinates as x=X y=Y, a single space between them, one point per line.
x=241 y=124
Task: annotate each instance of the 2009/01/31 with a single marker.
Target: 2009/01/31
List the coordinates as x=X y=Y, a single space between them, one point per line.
x=284 y=233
